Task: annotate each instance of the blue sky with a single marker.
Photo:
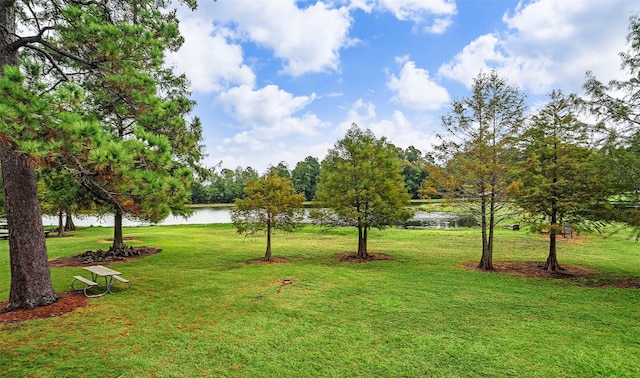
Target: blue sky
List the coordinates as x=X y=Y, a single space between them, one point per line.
x=279 y=80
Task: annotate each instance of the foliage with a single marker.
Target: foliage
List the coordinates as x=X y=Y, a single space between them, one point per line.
x=479 y=153
x=560 y=178
x=305 y=177
x=270 y=204
x=282 y=170
x=415 y=170
x=617 y=106
x=223 y=187
x=361 y=184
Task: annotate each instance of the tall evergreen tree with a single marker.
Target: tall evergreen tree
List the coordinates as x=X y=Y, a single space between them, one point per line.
x=361 y=183
x=113 y=50
x=305 y=177
x=479 y=151
x=560 y=179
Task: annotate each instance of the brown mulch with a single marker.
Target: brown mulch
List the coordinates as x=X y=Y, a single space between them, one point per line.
x=274 y=261
x=354 y=258
x=104 y=257
x=67 y=302
x=580 y=274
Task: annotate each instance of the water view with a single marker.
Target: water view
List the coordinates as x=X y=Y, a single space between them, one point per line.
x=222 y=214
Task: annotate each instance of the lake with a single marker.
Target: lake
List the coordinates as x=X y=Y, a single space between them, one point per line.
x=222 y=214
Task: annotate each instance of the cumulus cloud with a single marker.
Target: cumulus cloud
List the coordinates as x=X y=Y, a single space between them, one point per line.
x=548 y=44
x=211 y=62
x=414 y=89
x=306 y=39
x=269 y=111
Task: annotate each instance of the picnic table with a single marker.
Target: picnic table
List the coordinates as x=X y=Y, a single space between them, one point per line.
x=110 y=278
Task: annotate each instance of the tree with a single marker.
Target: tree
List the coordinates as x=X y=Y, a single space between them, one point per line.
x=270 y=204
x=305 y=177
x=56 y=45
x=617 y=106
x=282 y=169
x=479 y=152
x=361 y=184
x=559 y=178
x=414 y=170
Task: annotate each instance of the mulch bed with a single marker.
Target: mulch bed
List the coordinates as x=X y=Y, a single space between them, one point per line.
x=67 y=302
x=354 y=258
x=579 y=274
x=105 y=257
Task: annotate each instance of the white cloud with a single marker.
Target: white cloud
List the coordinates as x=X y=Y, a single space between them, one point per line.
x=208 y=59
x=548 y=44
x=416 y=90
x=422 y=11
x=307 y=40
x=269 y=111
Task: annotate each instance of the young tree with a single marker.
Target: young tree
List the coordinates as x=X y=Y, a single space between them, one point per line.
x=89 y=43
x=305 y=177
x=270 y=204
x=361 y=183
x=479 y=151
x=559 y=178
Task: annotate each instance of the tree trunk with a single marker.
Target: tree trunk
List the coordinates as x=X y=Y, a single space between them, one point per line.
x=267 y=254
x=552 y=264
x=552 y=260
x=362 y=242
x=118 y=240
x=60 y=225
x=30 y=277
x=69 y=225
x=486 y=261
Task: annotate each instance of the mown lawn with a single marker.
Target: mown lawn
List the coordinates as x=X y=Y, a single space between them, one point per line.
x=199 y=309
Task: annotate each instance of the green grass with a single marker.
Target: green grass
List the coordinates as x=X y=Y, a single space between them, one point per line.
x=198 y=309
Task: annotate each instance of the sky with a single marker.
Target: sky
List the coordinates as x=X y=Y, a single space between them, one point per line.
x=279 y=80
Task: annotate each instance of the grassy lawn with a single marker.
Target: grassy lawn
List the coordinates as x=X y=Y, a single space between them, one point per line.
x=198 y=309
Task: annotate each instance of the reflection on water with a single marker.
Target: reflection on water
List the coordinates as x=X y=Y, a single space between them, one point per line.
x=222 y=214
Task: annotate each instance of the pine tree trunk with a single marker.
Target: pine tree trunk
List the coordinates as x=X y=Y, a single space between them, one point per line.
x=69 y=225
x=30 y=277
x=267 y=254
x=60 y=225
x=118 y=240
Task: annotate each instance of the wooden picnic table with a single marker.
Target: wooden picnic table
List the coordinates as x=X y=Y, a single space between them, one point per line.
x=110 y=278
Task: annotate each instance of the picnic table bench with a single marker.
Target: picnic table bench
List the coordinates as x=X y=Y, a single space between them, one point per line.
x=110 y=278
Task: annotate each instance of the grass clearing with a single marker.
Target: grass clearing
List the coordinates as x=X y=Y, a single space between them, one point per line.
x=199 y=309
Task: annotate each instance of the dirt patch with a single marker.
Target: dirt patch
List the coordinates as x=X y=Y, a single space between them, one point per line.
x=354 y=258
x=67 y=302
x=104 y=257
x=273 y=261
x=580 y=274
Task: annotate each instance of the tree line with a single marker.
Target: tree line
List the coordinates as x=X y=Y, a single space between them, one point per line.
x=227 y=185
